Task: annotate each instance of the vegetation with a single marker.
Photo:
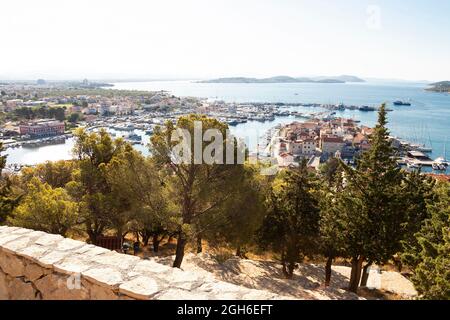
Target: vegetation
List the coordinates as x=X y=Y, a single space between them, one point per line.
x=291 y=225
x=43 y=112
x=443 y=86
x=429 y=256
x=197 y=188
x=45 y=208
x=371 y=214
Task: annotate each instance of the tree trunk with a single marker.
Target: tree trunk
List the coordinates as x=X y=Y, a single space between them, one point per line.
x=155 y=242
x=145 y=238
x=199 y=244
x=328 y=271
x=179 y=253
x=288 y=266
x=365 y=274
x=355 y=274
x=137 y=236
x=93 y=233
x=238 y=251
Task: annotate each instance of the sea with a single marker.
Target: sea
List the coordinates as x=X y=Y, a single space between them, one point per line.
x=426 y=121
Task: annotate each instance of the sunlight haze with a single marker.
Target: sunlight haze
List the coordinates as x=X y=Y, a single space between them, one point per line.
x=208 y=39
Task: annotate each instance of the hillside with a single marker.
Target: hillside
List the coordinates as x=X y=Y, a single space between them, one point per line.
x=286 y=79
x=306 y=283
x=442 y=86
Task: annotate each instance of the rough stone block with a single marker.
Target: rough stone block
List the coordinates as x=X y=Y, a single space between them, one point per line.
x=122 y=261
x=49 y=239
x=4 y=291
x=52 y=257
x=33 y=271
x=12 y=265
x=16 y=244
x=140 y=288
x=6 y=237
x=69 y=244
x=101 y=293
x=106 y=277
x=148 y=266
x=21 y=290
x=72 y=264
x=33 y=252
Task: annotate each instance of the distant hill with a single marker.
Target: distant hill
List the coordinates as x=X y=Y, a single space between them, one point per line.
x=344 y=78
x=286 y=79
x=443 y=86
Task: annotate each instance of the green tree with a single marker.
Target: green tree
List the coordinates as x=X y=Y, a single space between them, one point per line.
x=197 y=187
x=94 y=151
x=374 y=214
x=44 y=208
x=74 y=117
x=291 y=226
x=7 y=198
x=331 y=224
x=56 y=173
x=138 y=196
x=429 y=256
x=236 y=222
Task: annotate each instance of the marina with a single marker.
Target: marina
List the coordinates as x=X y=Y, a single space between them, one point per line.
x=252 y=114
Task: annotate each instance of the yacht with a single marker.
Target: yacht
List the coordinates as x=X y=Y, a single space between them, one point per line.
x=412 y=165
x=401 y=103
x=439 y=166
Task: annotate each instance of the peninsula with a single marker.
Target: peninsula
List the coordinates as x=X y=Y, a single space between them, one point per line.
x=443 y=86
x=286 y=79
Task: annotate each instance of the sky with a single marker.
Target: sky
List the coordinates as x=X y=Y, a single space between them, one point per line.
x=196 y=39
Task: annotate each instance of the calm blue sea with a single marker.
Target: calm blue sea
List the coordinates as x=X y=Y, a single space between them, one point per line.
x=426 y=121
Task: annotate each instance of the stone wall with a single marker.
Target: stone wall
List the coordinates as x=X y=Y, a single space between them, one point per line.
x=38 y=265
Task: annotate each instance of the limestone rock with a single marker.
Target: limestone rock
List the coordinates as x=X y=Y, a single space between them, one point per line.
x=122 y=261
x=140 y=288
x=101 y=293
x=12 y=265
x=21 y=290
x=104 y=276
x=34 y=271
x=48 y=239
x=16 y=244
x=4 y=291
x=53 y=257
x=69 y=244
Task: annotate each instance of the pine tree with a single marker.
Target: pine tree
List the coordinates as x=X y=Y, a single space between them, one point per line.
x=331 y=222
x=198 y=188
x=291 y=226
x=375 y=215
x=8 y=201
x=430 y=257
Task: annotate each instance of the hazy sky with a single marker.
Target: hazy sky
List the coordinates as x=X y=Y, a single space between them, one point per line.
x=212 y=38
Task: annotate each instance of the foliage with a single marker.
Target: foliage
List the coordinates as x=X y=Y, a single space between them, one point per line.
x=57 y=174
x=94 y=151
x=197 y=189
x=373 y=204
x=45 y=208
x=43 y=112
x=291 y=226
x=430 y=257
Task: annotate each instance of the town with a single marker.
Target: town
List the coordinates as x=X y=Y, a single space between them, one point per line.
x=38 y=114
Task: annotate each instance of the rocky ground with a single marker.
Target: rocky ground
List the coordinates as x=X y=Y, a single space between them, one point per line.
x=306 y=283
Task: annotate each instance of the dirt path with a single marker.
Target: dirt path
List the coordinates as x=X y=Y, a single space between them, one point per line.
x=306 y=283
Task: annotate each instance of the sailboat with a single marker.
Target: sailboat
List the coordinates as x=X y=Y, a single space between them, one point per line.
x=440 y=163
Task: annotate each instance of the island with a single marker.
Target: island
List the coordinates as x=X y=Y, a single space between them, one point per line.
x=286 y=79
x=442 y=86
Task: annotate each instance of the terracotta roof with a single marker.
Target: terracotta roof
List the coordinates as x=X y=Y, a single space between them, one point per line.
x=440 y=177
x=332 y=139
